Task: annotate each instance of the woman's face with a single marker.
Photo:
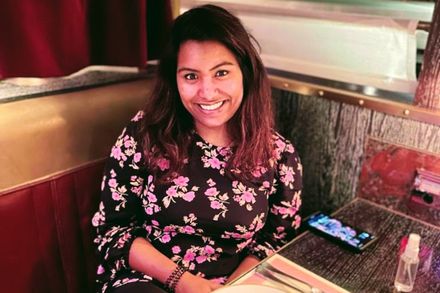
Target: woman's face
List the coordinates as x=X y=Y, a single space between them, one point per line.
x=210 y=84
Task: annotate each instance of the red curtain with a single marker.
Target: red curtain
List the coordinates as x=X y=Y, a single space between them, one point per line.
x=48 y=38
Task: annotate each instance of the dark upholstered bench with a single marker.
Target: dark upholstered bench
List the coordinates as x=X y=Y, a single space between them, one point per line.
x=52 y=153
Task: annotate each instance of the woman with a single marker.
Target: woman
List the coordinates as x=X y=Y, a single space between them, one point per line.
x=198 y=187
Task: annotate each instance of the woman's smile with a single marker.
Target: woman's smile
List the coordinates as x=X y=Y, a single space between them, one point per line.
x=211 y=107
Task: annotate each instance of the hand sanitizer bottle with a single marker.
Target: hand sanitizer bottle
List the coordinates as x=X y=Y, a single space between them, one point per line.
x=408 y=264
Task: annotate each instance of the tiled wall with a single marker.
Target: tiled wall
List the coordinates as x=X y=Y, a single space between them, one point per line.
x=332 y=137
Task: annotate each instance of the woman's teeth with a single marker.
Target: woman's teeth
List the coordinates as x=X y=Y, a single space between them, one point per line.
x=211 y=107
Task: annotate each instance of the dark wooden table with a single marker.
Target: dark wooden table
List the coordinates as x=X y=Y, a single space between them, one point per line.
x=374 y=269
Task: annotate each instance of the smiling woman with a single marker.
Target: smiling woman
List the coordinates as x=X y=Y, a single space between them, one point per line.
x=198 y=187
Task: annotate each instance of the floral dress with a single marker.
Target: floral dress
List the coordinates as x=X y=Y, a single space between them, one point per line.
x=202 y=219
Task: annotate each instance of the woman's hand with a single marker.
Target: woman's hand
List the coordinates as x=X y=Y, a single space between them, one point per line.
x=190 y=283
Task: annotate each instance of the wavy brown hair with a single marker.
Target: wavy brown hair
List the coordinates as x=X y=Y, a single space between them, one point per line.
x=167 y=125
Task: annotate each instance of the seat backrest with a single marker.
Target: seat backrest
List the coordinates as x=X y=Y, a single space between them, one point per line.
x=52 y=153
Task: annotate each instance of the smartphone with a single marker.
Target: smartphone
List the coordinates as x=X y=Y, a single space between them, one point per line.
x=339 y=232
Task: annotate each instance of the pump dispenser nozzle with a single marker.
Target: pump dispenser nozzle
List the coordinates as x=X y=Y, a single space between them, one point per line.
x=412 y=247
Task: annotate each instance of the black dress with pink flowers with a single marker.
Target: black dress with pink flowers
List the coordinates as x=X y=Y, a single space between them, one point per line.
x=203 y=219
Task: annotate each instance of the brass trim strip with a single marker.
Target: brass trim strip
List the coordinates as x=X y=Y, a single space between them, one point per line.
x=175 y=7
x=380 y=104
x=49 y=177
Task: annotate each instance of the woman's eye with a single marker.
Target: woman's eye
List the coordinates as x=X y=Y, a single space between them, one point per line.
x=221 y=73
x=190 y=76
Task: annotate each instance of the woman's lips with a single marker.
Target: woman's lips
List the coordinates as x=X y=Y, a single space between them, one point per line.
x=211 y=107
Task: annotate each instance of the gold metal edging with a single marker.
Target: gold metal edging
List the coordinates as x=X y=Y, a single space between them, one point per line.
x=374 y=103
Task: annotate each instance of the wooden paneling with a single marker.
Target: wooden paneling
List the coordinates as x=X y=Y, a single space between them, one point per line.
x=428 y=90
x=330 y=137
x=406 y=132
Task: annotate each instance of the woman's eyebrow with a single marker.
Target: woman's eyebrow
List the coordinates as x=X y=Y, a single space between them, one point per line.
x=221 y=64
x=213 y=68
x=186 y=69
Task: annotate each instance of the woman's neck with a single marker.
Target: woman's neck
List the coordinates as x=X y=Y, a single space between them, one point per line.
x=218 y=136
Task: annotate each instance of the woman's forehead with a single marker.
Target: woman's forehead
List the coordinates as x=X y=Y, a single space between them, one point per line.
x=205 y=54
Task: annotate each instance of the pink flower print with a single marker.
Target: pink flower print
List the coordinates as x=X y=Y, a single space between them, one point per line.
x=189 y=255
x=123 y=239
x=297 y=222
x=181 y=181
x=211 y=191
x=163 y=164
x=168 y=229
x=98 y=218
x=116 y=196
x=176 y=249
x=289 y=148
x=152 y=197
x=116 y=153
x=247 y=235
x=136 y=190
x=128 y=143
x=266 y=184
x=137 y=157
x=188 y=230
x=100 y=270
x=247 y=196
x=201 y=259
x=215 y=205
x=291 y=211
x=224 y=152
x=256 y=173
x=289 y=175
x=209 y=249
x=214 y=163
x=171 y=191
x=189 y=196
x=155 y=223
x=149 y=211
x=260 y=225
x=280 y=144
x=165 y=238
x=280 y=229
x=112 y=183
x=282 y=211
x=138 y=116
x=236 y=235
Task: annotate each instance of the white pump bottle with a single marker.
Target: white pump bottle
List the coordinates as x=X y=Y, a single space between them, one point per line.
x=408 y=264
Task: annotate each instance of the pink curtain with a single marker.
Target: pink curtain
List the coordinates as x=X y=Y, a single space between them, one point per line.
x=48 y=38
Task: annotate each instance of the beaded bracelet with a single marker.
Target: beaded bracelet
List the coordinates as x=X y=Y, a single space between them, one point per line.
x=173 y=279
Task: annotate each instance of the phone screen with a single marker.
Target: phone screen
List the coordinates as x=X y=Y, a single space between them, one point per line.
x=337 y=230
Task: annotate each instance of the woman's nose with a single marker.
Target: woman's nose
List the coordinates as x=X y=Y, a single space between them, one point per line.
x=207 y=89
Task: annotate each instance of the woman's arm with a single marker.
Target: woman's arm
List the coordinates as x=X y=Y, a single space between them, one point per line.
x=144 y=258
x=284 y=202
x=248 y=262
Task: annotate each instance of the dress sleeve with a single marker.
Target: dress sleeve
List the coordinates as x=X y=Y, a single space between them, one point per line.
x=120 y=217
x=284 y=202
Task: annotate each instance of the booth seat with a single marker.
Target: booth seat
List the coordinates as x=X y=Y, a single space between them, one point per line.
x=52 y=153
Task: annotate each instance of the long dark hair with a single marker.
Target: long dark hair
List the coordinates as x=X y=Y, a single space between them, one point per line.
x=167 y=125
